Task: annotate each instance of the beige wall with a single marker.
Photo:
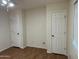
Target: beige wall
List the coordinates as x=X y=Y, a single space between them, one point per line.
x=71 y=49
x=5 y=41
x=36 y=27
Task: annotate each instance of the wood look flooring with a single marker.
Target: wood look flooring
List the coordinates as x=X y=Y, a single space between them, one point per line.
x=28 y=53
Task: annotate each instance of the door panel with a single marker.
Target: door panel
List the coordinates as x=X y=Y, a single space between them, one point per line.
x=59 y=32
x=14 y=22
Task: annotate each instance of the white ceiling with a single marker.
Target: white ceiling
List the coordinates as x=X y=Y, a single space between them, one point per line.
x=26 y=4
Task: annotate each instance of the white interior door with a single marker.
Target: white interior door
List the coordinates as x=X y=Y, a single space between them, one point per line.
x=59 y=32
x=15 y=33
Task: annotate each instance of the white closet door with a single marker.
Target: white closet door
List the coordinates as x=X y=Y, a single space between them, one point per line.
x=16 y=29
x=59 y=32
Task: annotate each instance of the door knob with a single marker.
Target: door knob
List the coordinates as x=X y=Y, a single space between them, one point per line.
x=52 y=35
x=17 y=33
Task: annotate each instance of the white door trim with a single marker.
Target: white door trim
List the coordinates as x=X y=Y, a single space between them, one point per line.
x=66 y=27
x=49 y=30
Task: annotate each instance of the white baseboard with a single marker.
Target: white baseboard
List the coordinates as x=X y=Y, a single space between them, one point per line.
x=23 y=47
x=69 y=57
x=35 y=47
x=49 y=51
x=5 y=48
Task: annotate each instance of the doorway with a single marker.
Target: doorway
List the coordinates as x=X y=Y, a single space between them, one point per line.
x=58 y=33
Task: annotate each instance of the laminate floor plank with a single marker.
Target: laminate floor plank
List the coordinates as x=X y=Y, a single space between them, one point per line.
x=29 y=53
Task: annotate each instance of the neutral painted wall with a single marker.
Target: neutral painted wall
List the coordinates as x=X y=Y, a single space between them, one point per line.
x=5 y=41
x=36 y=27
x=50 y=9
x=71 y=49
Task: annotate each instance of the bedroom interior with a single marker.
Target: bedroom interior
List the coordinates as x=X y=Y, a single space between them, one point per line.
x=38 y=29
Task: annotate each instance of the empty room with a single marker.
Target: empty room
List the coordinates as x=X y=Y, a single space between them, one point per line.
x=38 y=29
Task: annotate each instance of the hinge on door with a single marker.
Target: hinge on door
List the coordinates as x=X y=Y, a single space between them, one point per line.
x=64 y=16
x=65 y=49
x=64 y=32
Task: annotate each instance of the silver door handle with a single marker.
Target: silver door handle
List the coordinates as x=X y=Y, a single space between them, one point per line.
x=52 y=35
x=17 y=33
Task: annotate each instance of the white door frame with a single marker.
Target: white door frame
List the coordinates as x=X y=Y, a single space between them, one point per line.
x=49 y=30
